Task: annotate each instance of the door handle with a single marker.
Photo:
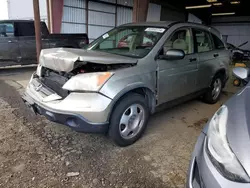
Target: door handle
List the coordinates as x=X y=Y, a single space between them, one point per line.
x=216 y=55
x=9 y=41
x=192 y=59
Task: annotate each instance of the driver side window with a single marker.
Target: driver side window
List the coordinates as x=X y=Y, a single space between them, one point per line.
x=180 y=40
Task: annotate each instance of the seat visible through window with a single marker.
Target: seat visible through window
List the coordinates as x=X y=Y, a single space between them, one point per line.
x=181 y=40
x=203 y=41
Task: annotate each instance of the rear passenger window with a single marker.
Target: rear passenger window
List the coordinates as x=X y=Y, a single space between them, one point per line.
x=203 y=41
x=26 y=29
x=217 y=42
x=6 y=30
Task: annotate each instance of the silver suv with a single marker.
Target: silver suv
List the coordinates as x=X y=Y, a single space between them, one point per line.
x=127 y=74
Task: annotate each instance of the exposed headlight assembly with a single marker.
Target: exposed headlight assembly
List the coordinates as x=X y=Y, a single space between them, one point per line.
x=39 y=70
x=87 y=81
x=219 y=150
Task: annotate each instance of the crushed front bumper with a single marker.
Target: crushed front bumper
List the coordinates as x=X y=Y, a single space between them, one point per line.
x=83 y=112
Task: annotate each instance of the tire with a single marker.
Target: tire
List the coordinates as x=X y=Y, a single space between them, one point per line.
x=213 y=95
x=237 y=82
x=128 y=119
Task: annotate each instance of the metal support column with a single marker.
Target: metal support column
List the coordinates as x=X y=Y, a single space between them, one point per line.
x=87 y=15
x=49 y=15
x=37 y=27
x=140 y=10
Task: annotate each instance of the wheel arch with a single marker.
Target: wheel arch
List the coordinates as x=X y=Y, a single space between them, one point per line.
x=140 y=89
x=220 y=72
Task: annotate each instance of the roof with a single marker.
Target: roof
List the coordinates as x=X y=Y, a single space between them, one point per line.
x=152 y=24
x=17 y=21
x=168 y=24
x=164 y=24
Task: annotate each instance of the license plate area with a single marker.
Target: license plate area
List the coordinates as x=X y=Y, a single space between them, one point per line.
x=42 y=89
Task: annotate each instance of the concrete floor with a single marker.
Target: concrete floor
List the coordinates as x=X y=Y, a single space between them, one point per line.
x=37 y=153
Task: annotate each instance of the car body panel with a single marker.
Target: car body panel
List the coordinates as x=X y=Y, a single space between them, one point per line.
x=238 y=126
x=94 y=107
x=209 y=65
x=207 y=173
x=176 y=78
x=66 y=59
x=238 y=135
x=9 y=51
x=125 y=80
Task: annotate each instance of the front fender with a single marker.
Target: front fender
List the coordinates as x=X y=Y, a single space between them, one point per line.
x=128 y=79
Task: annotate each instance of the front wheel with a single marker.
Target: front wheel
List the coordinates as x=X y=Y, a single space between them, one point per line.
x=214 y=92
x=129 y=119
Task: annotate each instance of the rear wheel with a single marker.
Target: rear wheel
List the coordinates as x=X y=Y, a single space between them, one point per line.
x=214 y=92
x=129 y=119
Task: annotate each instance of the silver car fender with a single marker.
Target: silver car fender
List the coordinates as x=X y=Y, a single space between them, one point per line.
x=125 y=81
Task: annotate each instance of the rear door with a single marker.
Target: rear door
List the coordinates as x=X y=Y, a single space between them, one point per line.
x=222 y=54
x=27 y=42
x=177 y=78
x=9 y=49
x=207 y=57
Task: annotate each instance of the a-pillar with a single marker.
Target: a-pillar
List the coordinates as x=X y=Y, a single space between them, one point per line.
x=140 y=10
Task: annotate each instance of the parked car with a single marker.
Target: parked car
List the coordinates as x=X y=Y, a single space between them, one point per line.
x=221 y=156
x=18 y=45
x=239 y=54
x=112 y=89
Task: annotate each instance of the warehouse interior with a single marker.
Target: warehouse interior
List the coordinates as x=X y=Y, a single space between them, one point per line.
x=95 y=17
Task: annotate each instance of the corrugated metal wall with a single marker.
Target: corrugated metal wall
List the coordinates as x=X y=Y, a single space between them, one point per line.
x=124 y=15
x=101 y=19
x=154 y=12
x=74 y=20
x=129 y=3
x=101 y=16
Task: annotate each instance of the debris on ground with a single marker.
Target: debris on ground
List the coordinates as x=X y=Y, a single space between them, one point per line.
x=72 y=174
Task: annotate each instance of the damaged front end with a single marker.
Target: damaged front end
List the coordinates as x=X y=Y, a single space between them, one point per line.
x=66 y=70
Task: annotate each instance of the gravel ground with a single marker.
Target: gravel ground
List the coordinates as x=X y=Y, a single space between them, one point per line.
x=37 y=153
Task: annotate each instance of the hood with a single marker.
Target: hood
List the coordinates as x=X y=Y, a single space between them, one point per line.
x=67 y=59
x=238 y=126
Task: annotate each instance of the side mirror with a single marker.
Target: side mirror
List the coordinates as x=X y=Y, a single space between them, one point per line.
x=240 y=72
x=173 y=54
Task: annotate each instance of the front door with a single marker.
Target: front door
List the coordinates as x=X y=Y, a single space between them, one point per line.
x=9 y=48
x=177 y=78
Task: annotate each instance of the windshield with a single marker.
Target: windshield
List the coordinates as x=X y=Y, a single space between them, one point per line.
x=136 y=41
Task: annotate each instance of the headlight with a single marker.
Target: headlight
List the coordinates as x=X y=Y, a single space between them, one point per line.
x=219 y=150
x=87 y=81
